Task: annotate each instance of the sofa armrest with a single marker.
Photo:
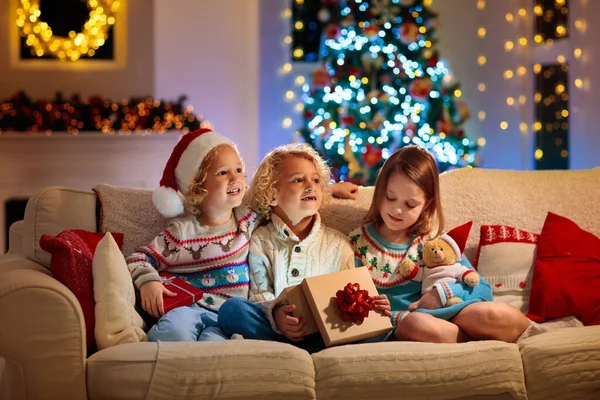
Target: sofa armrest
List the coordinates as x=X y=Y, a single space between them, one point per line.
x=15 y=238
x=42 y=335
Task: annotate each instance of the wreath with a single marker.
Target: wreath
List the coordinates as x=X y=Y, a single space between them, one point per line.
x=40 y=38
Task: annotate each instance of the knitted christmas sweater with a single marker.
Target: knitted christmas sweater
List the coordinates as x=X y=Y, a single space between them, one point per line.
x=383 y=260
x=278 y=259
x=214 y=259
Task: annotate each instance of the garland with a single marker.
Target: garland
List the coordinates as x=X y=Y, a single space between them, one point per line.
x=142 y=115
x=41 y=39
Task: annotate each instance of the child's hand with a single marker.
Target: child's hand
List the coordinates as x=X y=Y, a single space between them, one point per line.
x=291 y=327
x=151 y=293
x=344 y=190
x=382 y=304
x=429 y=301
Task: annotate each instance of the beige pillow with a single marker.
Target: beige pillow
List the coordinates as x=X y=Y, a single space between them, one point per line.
x=131 y=212
x=117 y=321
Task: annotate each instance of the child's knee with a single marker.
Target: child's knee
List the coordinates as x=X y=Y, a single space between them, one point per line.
x=231 y=313
x=232 y=307
x=167 y=331
x=411 y=327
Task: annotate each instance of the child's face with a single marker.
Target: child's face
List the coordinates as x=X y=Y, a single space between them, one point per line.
x=402 y=203
x=225 y=181
x=299 y=190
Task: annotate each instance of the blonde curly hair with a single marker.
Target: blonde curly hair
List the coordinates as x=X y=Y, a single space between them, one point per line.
x=263 y=189
x=196 y=192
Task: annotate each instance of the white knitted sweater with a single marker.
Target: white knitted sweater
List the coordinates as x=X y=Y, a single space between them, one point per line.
x=278 y=259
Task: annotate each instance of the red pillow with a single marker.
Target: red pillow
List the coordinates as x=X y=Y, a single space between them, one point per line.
x=566 y=274
x=72 y=252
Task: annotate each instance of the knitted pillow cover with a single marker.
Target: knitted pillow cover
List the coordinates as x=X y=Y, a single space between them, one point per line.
x=505 y=257
x=566 y=275
x=129 y=211
x=72 y=252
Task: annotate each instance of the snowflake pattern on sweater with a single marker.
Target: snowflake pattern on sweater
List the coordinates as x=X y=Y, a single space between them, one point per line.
x=214 y=259
x=384 y=266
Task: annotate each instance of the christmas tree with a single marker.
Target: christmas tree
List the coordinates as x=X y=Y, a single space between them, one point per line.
x=381 y=86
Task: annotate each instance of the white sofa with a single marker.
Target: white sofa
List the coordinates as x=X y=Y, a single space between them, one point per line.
x=42 y=330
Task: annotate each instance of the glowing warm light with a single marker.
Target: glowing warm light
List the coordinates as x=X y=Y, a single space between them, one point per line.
x=43 y=41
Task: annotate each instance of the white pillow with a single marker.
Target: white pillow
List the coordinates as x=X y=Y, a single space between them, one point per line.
x=117 y=321
x=505 y=258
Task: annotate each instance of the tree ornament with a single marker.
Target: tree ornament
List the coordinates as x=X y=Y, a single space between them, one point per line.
x=409 y=33
x=420 y=88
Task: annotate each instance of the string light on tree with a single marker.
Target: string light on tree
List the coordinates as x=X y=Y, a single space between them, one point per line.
x=381 y=86
x=42 y=40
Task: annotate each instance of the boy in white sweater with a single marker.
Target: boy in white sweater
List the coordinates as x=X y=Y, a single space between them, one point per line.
x=288 y=188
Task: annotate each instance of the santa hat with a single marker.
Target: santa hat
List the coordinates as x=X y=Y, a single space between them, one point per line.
x=457 y=238
x=184 y=163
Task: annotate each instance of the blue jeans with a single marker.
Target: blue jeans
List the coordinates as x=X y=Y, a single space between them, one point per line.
x=187 y=324
x=245 y=318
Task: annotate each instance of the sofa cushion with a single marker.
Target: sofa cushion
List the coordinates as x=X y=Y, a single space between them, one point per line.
x=420 y=371
x=129 y=211
x=235 y=369
x=566 y=275
x=562 y=364
x=72 y=253
x=53 y=210
x=121 y=372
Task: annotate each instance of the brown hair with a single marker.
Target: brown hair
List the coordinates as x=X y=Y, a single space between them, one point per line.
x=196 y=192
x=419 y=166
x=263 y=189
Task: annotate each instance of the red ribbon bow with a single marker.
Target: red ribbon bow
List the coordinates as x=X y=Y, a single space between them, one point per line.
x=354 y=303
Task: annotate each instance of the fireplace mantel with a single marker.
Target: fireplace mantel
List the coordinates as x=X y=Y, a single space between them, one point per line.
x=32 y=161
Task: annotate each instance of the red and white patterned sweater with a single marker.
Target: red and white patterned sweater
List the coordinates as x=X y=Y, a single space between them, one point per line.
x=214 y=259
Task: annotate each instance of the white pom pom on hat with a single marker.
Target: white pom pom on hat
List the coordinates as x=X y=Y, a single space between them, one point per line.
x=183 y=164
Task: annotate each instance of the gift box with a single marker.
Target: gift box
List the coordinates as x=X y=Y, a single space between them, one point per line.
x=187 y=293
x=295 y=295
x=341 y=323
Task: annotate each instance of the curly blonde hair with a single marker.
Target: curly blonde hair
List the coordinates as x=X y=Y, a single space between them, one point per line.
x=263 y=189
x=196 y=192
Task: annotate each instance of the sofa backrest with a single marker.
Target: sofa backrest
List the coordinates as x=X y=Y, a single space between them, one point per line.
x=53 y=210
x=518 y=198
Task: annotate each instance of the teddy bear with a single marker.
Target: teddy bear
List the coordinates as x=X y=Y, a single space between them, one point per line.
x=440 y=257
